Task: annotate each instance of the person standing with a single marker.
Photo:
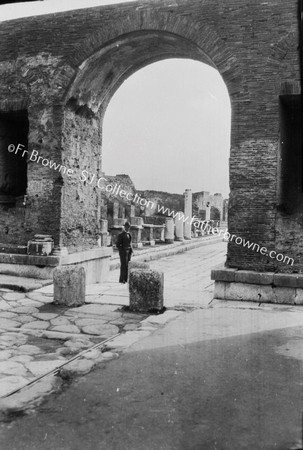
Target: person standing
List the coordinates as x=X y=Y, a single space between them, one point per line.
x=125 y=251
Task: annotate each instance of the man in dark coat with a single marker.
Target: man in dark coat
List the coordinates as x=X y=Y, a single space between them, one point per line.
x=125 y=251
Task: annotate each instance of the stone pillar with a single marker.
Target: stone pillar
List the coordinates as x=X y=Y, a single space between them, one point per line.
x=162 y=234
x=150 y=234
x=207 y=211
x=115 y=212
x=69 y=285
x=187 y=213
x=132 y=211
x=169 y=230
x=104 y=232
x=146 y=288
x=179 y=226
x=122 y=212
x=135 y=231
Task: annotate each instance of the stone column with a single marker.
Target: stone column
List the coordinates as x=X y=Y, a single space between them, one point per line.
x=179 y=226
x=115 y=212
x=187 y=213
x=132 y=211
x=135 y=231
x=207 y=209
x=103 y=232
x=169 y=230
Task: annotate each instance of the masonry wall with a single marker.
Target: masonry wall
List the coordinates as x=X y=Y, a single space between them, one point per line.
x=81 y=195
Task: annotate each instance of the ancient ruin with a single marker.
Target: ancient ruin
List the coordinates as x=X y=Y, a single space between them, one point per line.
x=58 y=74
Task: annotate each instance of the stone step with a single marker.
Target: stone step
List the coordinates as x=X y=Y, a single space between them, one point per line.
x=22 y=284
x=11 y=248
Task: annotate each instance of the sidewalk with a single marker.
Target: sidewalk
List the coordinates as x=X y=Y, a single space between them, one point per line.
x=146 y=253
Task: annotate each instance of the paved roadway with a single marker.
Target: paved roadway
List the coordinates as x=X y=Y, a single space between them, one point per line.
x=186 y=275
x=222 y=377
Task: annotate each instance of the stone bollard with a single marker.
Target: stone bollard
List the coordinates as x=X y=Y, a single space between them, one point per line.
x=146 y=290
x=69 y=285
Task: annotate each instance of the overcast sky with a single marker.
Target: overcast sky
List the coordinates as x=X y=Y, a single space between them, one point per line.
x=168 y=126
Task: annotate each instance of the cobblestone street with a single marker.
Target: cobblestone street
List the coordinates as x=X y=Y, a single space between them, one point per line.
x=38 y=336
x=219 y=375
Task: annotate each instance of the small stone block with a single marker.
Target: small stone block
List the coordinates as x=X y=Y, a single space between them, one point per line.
x=223 y=274
x=266 y=277
x=285 y=279
x=299 y=297
x=219 y=290
x=247 y=276
x=285 y=295
x=69 y=285
x=146 y=289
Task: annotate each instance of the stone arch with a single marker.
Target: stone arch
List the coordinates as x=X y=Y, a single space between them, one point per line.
x=199 y=41
x=105 y=62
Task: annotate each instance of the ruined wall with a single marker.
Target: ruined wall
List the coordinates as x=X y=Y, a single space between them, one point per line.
x=116 y=184
x=31 y=85
x=225 y=210
x=81 y=194
x=175 y=202
x=202 y=201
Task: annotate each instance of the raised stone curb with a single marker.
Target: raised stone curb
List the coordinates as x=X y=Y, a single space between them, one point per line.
x=162 y=319
x=245 y=285
x=127 y=339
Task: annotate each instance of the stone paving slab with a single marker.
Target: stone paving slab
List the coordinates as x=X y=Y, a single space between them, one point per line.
x=21 y=283
x=37 y=331
x=37 y=336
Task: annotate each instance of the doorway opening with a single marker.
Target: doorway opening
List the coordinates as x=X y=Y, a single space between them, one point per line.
x=13 y=160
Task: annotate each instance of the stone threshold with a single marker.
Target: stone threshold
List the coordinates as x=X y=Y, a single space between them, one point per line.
x=261 y=287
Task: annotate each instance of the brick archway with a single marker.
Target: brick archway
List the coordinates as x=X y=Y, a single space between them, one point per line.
x=103 y=72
